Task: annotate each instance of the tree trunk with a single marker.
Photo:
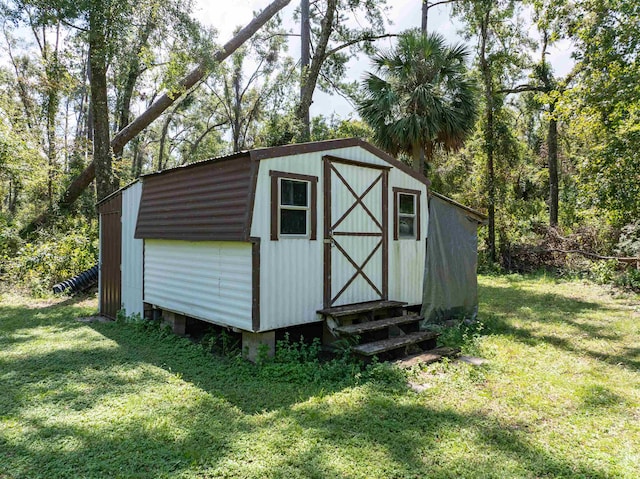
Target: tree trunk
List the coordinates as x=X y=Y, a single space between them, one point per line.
x=485 y=67
x=418 y=156
x=106 y=182
x=236 y=120
x=305 y=43
x=552 y=146
x=136 y=160
x=52 y=109
x=491 y=186
x=79 y=184
x=425 y=16
x=163 y=138
x=311 y=79
x=83 y=121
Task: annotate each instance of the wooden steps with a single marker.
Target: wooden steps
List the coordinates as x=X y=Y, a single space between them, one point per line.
x=427 y=357
x=385 y=345
x=368 y=326
x=382 y=329
x=360 y=308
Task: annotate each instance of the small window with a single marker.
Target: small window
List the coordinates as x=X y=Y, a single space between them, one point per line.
x=406 y=216
x=294 y=207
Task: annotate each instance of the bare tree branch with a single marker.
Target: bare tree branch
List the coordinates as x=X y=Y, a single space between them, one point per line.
x=523 y=88
x=364 y=38
x=627 y=260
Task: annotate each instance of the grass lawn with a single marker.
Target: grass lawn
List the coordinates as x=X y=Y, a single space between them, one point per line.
x=559 y=397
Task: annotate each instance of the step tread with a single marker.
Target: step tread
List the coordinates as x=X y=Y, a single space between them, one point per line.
x=427 y=357
x=378 y=324
x=377 y=347
x=349 y=309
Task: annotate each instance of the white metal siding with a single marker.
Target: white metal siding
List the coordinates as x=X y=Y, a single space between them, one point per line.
x=407 y=256
x=208 y=280
x=132 y=252
x=291 y=270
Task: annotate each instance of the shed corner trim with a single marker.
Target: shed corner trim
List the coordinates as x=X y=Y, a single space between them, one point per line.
x=255 y=283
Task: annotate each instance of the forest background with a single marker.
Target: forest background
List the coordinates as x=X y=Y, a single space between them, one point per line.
x=94 y=93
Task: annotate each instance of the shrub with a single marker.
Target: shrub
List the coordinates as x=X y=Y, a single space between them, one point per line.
x=629 y=241
x=629 y=279
x=603 y=272
x=303 y=362
x=52 y=258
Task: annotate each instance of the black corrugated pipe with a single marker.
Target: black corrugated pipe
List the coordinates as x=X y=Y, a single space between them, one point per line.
x=80 y=282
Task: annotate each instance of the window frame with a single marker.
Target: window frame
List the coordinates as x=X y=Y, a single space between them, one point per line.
x=397 y=215
x=306 y=208
x=277 y=206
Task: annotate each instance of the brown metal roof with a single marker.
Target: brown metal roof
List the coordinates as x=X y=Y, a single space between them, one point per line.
x=259 y=154
x=206 y=201
x=197 y=164
x=212 y=200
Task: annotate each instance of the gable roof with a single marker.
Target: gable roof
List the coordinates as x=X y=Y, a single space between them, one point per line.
x=260 y=154
x=212 y=200
x=299 y=148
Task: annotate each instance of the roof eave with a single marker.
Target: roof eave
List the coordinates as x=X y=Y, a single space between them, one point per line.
x=481 y=218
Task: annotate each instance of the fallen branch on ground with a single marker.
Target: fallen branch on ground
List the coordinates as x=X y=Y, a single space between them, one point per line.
x=626 y=260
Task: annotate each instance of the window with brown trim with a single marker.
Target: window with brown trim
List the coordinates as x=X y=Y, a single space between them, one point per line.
x=293 y=205
x=406 y=214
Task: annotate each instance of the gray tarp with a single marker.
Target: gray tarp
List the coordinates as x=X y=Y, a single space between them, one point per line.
x=450 y=281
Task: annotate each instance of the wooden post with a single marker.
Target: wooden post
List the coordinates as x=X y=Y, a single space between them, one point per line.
x=178 y=322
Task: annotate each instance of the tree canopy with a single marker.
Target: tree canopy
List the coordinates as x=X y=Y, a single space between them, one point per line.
x=420 y=97
x=94 y=93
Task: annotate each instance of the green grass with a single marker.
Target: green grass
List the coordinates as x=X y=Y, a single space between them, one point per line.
x=559 y=397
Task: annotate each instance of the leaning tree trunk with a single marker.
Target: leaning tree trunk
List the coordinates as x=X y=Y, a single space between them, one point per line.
x=80 y=183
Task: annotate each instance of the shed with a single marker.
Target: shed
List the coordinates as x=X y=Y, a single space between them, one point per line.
x=269 y=238
x=120 y=274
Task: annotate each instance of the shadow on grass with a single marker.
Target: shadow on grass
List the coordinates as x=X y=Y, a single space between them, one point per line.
x=17 y=321
x=415 y=439
x=233 y=407
x=299 y=439
x=554 y=310
x=141 y=445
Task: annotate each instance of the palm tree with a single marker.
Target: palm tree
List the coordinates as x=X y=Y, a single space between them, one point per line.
x=420 y=97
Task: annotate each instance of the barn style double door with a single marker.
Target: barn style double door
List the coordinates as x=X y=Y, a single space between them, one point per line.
x=355 y=232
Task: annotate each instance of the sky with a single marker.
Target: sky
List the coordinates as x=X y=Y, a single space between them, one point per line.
x=224 y=16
